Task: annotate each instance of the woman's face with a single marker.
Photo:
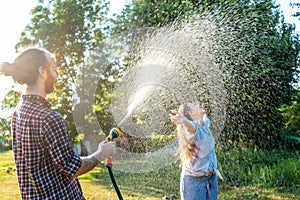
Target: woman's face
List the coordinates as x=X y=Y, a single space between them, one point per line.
x=196 y=112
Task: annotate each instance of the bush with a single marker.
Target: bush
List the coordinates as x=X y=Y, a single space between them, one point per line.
x=5 y=144
x=244 y=166
x=287 y=173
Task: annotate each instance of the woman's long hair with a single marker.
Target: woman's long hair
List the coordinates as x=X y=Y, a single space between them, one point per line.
x=187 y=149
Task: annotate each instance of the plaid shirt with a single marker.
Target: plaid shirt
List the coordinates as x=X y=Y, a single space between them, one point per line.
x=43 y=155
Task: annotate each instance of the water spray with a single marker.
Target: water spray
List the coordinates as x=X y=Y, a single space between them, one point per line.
x=170 y=66
x=114 y=133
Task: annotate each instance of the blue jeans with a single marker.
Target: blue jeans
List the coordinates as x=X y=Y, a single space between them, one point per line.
x=199 y=188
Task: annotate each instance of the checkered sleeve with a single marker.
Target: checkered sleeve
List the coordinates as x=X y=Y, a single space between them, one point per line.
x=58 y=143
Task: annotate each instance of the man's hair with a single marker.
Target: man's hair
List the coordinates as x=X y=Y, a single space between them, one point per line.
x=24 y=69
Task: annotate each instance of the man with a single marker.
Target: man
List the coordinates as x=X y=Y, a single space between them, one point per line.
x=47 y=167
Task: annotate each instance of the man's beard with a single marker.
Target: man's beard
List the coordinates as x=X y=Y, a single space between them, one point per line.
x=49 y=85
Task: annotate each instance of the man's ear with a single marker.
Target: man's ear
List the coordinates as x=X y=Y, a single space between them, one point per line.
x=43 y=72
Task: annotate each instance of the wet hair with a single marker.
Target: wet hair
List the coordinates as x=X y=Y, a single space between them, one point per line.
x=25 y=68
x=185 y=109
x=187 y=150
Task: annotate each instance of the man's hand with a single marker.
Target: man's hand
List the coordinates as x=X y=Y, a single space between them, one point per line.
x=88 y=163
x=105 y=150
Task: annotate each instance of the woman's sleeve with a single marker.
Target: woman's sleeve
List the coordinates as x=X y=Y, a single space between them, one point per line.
x=206 y=121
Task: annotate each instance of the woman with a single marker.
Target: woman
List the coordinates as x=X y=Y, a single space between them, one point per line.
x=197 y=153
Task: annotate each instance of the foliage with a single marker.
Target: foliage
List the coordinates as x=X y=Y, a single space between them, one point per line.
x=68 y=29
x=291 y=112
x=5 y=136
x=297 y=14
x=258 y=73
x=9 y=102
x=149 y=13
x=267 y=167
x=287 y=173
x=290 y=135
x=257 y=90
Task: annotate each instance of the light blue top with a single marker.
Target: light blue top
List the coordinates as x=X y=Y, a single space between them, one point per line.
x=207 y=159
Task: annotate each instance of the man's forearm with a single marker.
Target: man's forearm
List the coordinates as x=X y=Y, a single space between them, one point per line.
x=88 y=163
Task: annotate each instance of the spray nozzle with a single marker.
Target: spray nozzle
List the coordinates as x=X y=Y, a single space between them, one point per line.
x=114 y=133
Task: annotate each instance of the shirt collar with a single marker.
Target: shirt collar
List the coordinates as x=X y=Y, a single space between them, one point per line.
x=36 y=98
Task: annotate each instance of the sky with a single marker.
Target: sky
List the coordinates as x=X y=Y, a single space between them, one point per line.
x=15 y=15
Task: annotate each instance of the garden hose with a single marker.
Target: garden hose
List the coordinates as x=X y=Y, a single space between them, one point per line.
x=114 y=133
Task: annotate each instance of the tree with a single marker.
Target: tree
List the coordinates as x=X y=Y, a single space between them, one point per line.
x=69 y=29
x=256 y=52
x=9 y=102
x=272 y=73
x=260 y=59
x=5 y=136
x=297 y=14
x=292 y=113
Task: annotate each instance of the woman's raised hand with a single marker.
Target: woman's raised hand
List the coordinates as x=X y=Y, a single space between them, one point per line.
x=176 y=117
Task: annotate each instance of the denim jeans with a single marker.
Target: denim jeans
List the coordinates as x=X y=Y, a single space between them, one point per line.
x=199 y=188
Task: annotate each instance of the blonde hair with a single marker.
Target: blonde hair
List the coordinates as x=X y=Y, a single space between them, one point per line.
x=186 y=149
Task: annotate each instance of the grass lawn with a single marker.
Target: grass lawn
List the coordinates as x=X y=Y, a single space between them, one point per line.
x=152 y=186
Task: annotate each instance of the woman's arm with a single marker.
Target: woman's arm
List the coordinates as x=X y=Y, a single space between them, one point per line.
x=179 y=119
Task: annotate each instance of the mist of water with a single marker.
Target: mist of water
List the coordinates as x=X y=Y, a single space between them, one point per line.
x=179 y=63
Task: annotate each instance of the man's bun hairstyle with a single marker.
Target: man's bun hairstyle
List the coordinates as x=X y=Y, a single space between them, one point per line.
x=24 y=69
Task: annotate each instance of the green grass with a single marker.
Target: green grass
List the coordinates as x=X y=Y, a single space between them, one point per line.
x=8 y=179
x=248 y=174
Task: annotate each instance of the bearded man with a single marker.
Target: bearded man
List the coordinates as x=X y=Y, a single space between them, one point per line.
x=47 y=166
